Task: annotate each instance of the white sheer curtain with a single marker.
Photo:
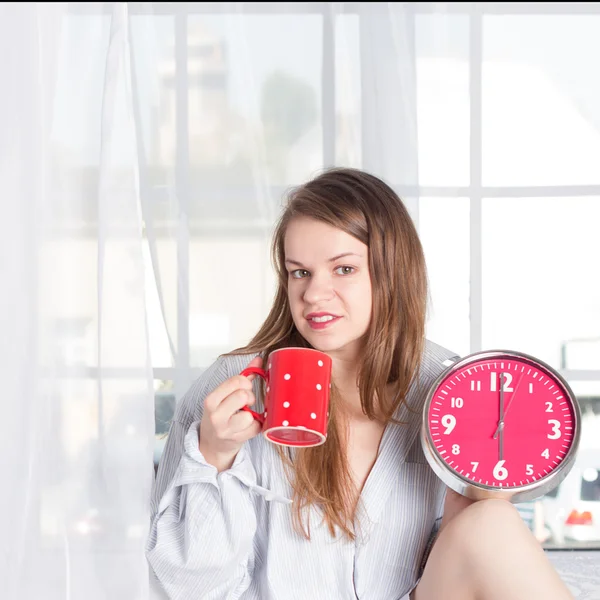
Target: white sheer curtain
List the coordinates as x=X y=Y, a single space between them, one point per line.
x=78 y=415
x=144 y=151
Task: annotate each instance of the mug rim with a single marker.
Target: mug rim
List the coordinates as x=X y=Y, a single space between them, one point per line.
x=288 y=348
x=323 y=438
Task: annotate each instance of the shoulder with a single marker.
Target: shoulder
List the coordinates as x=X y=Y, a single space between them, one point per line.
x=434 y=361
x=191 y=405
x=433 y=352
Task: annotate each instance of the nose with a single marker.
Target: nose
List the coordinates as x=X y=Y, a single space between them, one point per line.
x=318 y=290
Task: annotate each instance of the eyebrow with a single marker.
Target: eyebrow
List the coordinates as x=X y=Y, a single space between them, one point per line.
x=332 y=259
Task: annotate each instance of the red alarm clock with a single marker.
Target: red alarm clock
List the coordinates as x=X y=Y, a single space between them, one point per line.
x=501 y=424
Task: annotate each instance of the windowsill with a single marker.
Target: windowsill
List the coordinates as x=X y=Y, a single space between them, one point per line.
x=580 y=570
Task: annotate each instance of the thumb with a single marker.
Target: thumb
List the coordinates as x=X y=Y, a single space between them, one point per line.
x=257 y=361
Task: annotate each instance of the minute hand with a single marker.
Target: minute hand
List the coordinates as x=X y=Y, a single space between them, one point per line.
x=501 y=422
x=500 y=427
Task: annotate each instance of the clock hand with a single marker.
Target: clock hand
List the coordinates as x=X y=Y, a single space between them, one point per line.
x=503 y=417
x=501 y=421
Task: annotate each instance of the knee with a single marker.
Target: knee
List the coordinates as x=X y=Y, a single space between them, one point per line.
x=485 y=524
x=473 y=540
x=486 y=512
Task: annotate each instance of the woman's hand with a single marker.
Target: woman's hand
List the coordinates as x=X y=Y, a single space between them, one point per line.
x=225 y=427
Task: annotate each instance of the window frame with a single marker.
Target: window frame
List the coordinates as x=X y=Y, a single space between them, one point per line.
x=183 y=373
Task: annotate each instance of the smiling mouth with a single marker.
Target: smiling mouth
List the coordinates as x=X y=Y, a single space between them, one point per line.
x=321 y=321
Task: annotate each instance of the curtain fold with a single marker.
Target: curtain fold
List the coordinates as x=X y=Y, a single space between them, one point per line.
x=149 y=149
x=78 y=410
x=148 y=152
x=147 y=44
x=389 y=92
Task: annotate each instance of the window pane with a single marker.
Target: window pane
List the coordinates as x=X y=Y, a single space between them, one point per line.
x=153 y=59
x=254 y=113
x=94 y=441
x=78 y=100
x=444 y=231
x=347 y=91
x=161 y=289
x=541 y=99
x=590 y=484
x=583 y=353
x=540 y=285
x=569 y=516
x=231 y=289
x=67 y=301
x=77 y=111
x=442 y=48
x=153 y=55
x=70 y=319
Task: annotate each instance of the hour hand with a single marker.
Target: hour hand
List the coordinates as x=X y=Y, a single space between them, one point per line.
x=499 y=429
x=501 y=411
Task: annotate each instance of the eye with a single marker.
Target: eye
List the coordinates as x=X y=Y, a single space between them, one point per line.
x=345 y=270
x=299 y=273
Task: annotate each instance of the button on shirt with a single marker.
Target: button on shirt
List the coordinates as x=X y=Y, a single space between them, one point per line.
x=229 y=535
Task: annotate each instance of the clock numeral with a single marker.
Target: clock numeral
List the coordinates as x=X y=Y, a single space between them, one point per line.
x=449 y=422
x=555 y=429
x=475 y=386
x=475 y=465
x=545 y=453
x=456 y=402
x=529 y=470
x=549 y=407
x=507 y=378
x=455 y=449
x=499 y=471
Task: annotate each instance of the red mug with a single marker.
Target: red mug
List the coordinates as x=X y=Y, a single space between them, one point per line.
x=297 y=396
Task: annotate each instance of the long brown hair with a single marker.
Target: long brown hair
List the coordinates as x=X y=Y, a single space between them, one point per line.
x=365 y=207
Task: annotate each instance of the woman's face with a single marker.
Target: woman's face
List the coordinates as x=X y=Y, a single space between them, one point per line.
x=329 y=286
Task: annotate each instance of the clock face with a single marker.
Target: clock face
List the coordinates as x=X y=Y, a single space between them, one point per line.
x=505 y=422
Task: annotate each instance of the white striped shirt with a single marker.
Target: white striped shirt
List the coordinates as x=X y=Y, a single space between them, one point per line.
x=229 y=535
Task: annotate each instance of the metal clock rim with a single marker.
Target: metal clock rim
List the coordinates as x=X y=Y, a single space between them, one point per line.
x=463 y=485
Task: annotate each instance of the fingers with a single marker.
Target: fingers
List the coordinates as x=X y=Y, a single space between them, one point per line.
x=228 y=387
x=244 y=426
x=255 y=362
x=237 y=382
x=225 y=427
x=235 y=402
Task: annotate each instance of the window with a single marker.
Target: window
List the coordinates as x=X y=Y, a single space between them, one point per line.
x=505 y=191
x=590 y=485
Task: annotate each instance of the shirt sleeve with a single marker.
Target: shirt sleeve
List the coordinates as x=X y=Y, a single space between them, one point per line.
x=203 y=522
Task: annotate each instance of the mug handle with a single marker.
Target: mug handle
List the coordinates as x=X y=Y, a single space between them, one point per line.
x=261 y=373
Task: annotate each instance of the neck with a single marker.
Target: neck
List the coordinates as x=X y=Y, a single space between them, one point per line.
x=344 y=374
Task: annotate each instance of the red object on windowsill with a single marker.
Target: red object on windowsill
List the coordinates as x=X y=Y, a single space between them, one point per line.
x=579 y=518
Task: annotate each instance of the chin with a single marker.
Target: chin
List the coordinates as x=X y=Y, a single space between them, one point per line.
x=327 y=346
x=330 y=344
x=319 y=342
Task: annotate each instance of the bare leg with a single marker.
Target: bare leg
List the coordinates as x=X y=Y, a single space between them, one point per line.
x=487 y=553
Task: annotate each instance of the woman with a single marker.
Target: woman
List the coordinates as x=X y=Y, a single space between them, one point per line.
x=235 y=516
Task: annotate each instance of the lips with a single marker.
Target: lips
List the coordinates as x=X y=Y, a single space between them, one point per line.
x=321 y=320
x=321 y=316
